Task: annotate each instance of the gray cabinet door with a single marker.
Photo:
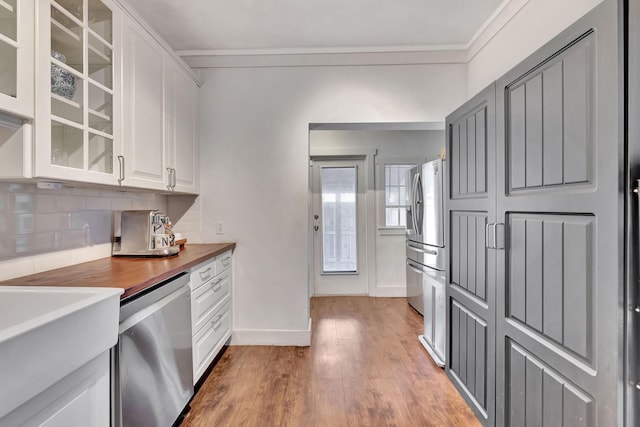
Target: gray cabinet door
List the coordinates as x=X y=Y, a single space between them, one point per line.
x=470 y=290
x=559 y=279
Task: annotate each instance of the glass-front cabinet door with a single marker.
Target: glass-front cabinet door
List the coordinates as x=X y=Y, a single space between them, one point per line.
x=77 y=65
x=16 y=57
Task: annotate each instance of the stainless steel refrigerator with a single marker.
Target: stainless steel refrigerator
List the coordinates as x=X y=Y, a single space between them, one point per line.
x=426 y=253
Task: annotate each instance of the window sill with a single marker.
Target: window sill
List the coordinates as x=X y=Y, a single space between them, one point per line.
x=391 y=231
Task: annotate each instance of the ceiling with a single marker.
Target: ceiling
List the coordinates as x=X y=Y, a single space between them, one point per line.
x=317 y=25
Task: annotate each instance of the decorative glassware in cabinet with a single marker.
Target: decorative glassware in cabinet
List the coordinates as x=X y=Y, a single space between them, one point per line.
x=8 y=47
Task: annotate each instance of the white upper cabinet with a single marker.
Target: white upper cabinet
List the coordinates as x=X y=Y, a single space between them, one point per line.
x=181 y=97
x=77 y=126
x=160 y=134
x=16 y=56
x=144 y=154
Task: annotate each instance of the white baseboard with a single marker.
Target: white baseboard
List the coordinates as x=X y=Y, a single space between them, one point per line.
x=391 y=291
x=281 y=337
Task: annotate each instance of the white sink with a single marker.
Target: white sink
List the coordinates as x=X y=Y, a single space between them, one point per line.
x=48 y=332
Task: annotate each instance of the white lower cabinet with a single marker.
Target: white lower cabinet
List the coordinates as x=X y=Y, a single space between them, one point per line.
x=79 y=399
x=211 y=315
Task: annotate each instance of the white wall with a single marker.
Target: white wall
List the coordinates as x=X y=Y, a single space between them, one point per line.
x=534 y=25
x=254 y=146
x=390 y=267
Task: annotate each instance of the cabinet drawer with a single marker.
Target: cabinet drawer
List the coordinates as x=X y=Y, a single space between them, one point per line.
x=207 y=297
x=209 y=340
x=223 y=262
x=201 y=273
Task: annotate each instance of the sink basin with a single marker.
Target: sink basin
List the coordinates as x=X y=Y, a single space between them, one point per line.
x=48 y=332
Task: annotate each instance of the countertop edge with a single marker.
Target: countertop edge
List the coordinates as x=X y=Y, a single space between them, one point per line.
x=132 y=275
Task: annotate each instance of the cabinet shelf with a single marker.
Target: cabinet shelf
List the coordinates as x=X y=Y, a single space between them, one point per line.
x=6 y=10
x=98 y=58
x=65 y=30
x=66 y=101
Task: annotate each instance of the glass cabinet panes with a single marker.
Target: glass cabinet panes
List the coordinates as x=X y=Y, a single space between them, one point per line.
x=101 y=20
x=9 y=19
x=82 y=85
x=73 y=7
x=8 y=69
x=100 y=154
x=100 y=109
x=8 y=47
x=67 y=145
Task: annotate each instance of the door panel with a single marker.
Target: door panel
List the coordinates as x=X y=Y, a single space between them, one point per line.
x=340 y=264
x=470 y=290
x=559 y=281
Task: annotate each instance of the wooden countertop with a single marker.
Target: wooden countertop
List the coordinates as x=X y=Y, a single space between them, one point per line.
x=131 y=274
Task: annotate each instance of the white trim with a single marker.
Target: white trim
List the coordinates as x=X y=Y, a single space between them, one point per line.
x=328 y=59
x=330 y=50
x=336 y=153
x=358 y=55
x=439 y=125
x=390 y=292
x=280 y=337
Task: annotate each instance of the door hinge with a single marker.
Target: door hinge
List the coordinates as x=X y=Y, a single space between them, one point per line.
x=494 y=236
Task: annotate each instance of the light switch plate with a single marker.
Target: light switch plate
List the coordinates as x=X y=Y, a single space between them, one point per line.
x=219 y=227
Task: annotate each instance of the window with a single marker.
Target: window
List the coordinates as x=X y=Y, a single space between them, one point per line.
x=339 y=224
x=393 y=190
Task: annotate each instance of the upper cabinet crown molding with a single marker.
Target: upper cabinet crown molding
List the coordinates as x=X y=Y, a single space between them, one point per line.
x=135 y=16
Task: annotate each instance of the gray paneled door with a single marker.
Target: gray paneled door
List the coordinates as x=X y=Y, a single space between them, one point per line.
x=471 y=205
x=559 y=278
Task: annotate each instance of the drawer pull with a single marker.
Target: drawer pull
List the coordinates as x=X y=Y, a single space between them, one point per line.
x=204 y=275
x=217 y=286
x=216 y=322
x=225 y=261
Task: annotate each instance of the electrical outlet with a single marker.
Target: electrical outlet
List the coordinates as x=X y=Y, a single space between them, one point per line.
x=219 y=227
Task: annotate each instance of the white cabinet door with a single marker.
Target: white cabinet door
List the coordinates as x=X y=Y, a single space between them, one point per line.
x=143 y=85
x=181 y=127
x=77 y=71
x=16 y=51
x=79 y=399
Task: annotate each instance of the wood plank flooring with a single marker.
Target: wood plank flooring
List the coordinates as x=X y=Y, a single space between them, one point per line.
x=365 y=367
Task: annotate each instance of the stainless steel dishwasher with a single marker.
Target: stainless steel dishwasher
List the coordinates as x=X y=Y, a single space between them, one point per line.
x=152 y=368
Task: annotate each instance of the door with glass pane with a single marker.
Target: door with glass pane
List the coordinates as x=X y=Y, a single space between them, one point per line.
x=78 y=70
x=338 y=221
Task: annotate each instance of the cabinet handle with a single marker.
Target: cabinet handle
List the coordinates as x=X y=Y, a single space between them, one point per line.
x=173 y=181
x=216 y=322
x=169 y=172
x=225 y=261
x=205 y=275
x=121 y=162
x=217 y=285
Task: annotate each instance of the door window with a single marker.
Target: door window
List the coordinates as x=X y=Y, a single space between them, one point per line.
x=339 y=225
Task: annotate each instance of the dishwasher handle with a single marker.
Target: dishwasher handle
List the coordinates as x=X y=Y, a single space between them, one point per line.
x=149 y=310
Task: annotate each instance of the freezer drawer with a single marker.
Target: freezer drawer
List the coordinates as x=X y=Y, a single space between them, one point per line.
x=435 y=313
x=414 y=286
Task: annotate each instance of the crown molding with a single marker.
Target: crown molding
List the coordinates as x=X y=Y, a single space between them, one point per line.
x=133 y=14
x=354 y=56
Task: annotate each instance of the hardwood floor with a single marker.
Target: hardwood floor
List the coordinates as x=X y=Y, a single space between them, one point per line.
x=365 y=367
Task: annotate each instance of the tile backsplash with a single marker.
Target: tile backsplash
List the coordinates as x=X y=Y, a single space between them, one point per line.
x=35 y=222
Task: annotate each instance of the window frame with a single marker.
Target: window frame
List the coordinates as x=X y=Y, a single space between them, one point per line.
x=381 y=190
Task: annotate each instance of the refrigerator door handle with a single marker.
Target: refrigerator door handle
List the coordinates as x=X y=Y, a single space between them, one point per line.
x=424 y=251
x=414 y=268
x=414 y=209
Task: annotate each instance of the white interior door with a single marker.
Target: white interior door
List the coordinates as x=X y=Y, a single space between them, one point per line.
x=339 y=227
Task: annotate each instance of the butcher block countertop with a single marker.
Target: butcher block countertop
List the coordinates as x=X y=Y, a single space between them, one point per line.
x=131 y=274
